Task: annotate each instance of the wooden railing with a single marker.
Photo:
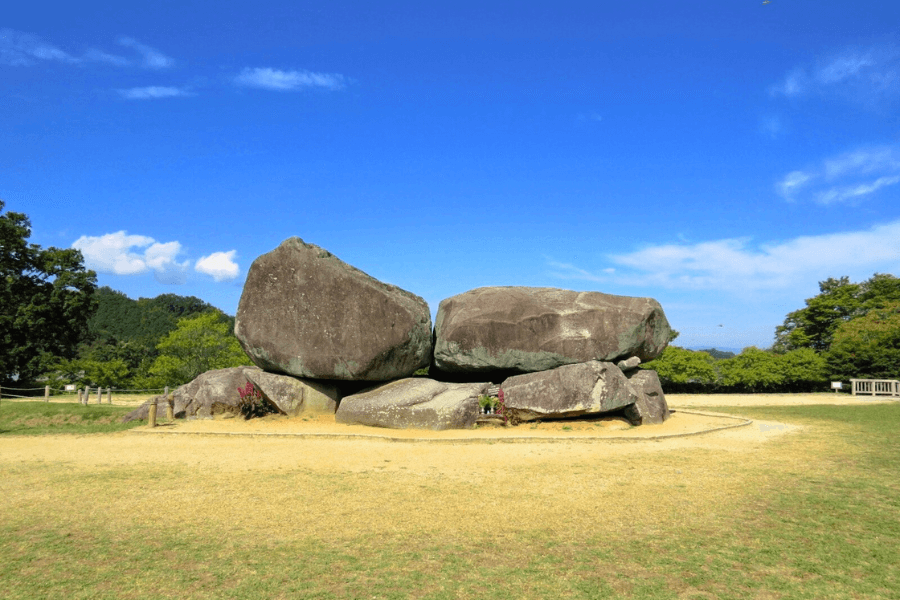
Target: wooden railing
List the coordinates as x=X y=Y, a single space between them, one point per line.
x=876 y=387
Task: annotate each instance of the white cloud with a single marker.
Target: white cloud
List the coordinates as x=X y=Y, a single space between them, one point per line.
x=869 y=75
x=273 y=79
x=152 y=92
x=219 y=265
x=19 y=49
x=844 y=178
x=115 y=253
x=792 y=183
x=152 y=58
x=738 y=266
x=104 y=57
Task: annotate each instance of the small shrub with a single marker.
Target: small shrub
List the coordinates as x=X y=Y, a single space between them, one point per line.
x=252 y=404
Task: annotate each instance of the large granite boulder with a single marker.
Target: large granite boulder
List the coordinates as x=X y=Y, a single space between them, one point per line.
x=415 y=402
x=295 y=396
x=569 y=391
x=523 y=329
x=304 y=312
x=211 y=393
x=651 y=406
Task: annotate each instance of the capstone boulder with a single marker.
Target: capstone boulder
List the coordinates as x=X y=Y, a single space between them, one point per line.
x=524 y=329
x=306 y=313
x=587 y=388
x=414 y=402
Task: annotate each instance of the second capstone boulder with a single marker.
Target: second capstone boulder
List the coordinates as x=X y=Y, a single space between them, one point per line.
x=524 y=329
x=305 y=312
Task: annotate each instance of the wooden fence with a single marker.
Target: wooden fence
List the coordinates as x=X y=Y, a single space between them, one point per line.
x=875 y=387
x=85 y=395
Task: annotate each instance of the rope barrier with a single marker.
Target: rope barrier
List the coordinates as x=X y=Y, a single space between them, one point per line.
x=22 y=389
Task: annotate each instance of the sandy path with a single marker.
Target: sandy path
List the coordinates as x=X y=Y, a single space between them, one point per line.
x=320 y=443
x=699 y=400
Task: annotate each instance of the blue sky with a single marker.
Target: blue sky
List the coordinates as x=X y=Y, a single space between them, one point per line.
x=722 y=157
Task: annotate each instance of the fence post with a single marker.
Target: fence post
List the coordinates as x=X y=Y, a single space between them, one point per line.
x=151 y=417
x=46 y=393
x=109 y=395
x=99 y=395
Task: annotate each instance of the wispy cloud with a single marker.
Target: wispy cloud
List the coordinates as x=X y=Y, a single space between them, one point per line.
x=122 y=254
x=21 y=49
x=868 y=75
x=848 y=177
x=104 y=57
x=738 y=266
x=219 y=265
x=273 y=79
x=153 y=92
x=151 y=58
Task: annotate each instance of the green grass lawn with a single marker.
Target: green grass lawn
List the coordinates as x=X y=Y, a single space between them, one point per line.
x=37 y=418
x=813 y=514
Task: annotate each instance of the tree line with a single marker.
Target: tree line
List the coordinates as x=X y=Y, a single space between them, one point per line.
x=57 y=327
x=847 y=331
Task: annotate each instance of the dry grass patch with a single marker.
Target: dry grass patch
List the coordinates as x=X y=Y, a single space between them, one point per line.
x=724 y=515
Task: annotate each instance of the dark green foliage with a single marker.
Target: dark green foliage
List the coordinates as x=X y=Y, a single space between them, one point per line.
x=145 y=321
x=199 y=343
x=753 y=370
x=839 y=301
x=868 y=347
x=685 y=371
x=46 y=298
x=124 y=335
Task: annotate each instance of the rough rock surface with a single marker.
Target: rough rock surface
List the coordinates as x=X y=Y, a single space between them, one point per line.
x=522 y=329
x=568 y=391
x=210 y=393
x=295 y=396
x=415 y=402
x=629 y=364
x=304 y=312
x=651 y=406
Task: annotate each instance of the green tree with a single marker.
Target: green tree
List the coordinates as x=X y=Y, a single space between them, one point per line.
x=753 y=370
x=198 y=344
x=814 y=325
x=839 y=301
x=86 y=372
x=802 y=370
x=46 y=298
x=682 y=370
x=867 y=347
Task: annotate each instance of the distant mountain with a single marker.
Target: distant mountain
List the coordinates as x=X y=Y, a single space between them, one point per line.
x=120 y=319
x=719 y=353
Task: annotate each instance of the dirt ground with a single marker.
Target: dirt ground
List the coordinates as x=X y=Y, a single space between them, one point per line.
x=212 y=442
x=270 y=478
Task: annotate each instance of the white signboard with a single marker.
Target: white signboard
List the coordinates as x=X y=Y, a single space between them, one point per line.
x=836 y=385
x=70 y=387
